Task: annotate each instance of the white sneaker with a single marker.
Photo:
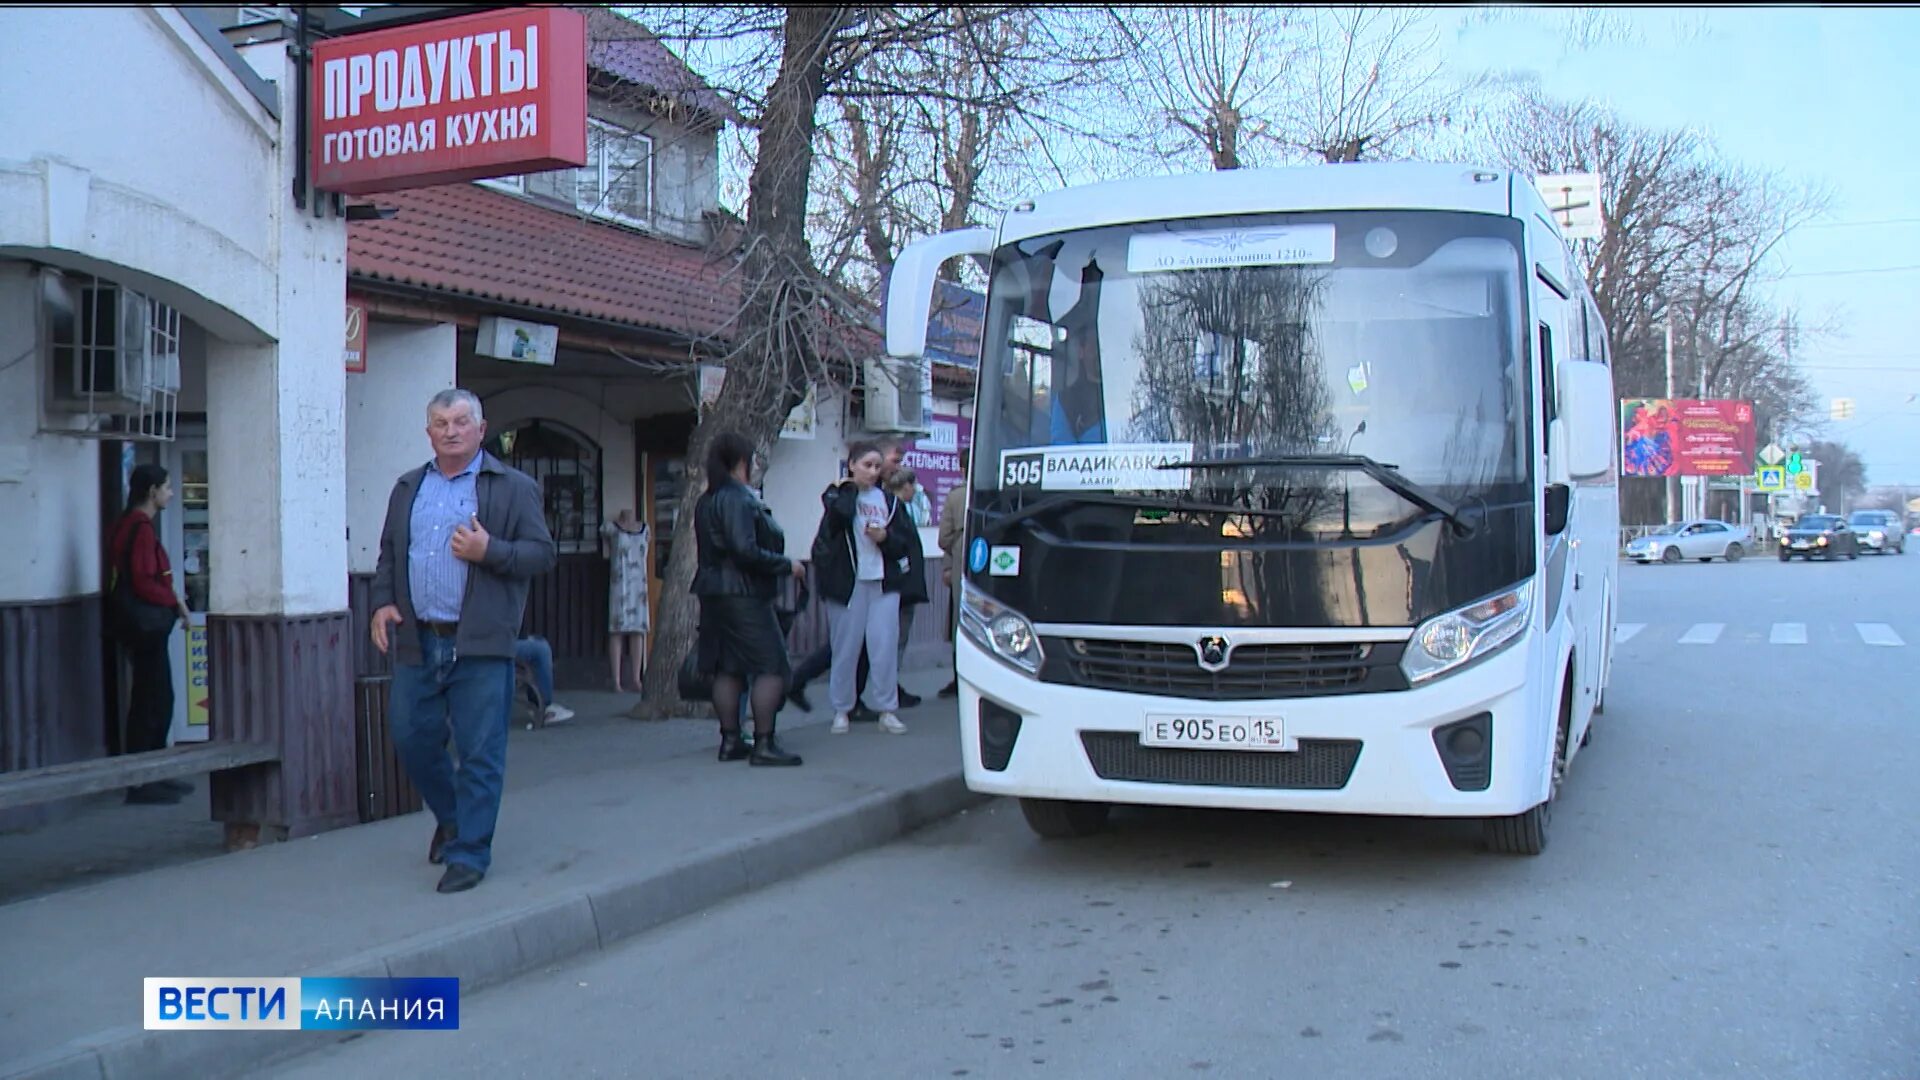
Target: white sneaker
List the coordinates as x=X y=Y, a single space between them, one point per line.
x=558 y=714
x=839 y=723
x=891 y=724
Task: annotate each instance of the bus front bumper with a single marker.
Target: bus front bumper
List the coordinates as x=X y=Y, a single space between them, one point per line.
x=1356 y=754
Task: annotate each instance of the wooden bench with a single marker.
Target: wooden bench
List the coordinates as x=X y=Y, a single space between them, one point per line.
x=31 y=787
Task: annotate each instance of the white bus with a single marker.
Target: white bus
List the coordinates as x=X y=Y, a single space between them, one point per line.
x=1292 y=490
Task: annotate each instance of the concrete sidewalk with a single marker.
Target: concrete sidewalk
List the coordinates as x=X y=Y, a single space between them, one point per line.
x=610 y=827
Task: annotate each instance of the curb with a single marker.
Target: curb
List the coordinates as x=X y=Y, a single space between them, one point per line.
x=483 y=954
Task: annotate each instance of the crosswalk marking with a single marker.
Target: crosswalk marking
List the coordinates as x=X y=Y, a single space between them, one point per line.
x=1878 y=633
x=1705 y=633
x=1788 y=633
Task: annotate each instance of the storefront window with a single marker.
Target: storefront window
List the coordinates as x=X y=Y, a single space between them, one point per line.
x=566 y=464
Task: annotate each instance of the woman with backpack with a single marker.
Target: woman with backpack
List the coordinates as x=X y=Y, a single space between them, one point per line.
x=860 y=557
x=142 y=609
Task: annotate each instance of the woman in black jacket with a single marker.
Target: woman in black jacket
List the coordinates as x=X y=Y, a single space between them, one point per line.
x=741 y=561
x=860 y=556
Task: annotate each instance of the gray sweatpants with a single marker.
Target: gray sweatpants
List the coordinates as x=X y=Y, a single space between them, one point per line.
x=870 y=615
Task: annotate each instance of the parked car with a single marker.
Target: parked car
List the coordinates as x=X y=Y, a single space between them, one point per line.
x=1701 y=538
x=1878 y=531
x=1825 y=535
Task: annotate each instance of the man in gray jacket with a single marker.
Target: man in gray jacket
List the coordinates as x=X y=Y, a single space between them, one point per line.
x=463 y=535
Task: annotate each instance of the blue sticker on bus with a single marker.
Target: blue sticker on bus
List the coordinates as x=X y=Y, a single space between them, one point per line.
x=977 y=554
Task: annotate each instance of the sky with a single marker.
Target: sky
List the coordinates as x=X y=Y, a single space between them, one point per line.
x=1818 y=94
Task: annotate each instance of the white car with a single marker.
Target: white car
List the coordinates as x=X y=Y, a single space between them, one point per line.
x=1878 y=531
x=1702 y=539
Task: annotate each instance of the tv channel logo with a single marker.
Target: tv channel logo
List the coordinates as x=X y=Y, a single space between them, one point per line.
x=252 y=1004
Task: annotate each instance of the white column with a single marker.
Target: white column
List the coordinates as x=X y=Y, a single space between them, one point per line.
x=276 y=437
x=387 y=422
x=49 y=483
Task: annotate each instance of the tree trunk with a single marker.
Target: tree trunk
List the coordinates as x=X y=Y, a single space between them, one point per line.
x=765 y=371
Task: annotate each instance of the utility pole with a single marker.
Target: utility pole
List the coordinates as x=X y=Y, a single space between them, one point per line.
x=1700 y=394
x=1673 y=482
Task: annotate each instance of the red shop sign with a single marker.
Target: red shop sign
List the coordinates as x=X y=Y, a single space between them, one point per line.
x=492 y=94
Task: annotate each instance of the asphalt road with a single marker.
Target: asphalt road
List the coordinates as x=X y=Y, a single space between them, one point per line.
x=1732 y=890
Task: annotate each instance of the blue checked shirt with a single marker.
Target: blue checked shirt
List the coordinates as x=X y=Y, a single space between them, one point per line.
x=435 y=576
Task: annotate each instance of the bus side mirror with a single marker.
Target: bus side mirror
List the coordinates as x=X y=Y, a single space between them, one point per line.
x=1559 y=505
x=910 y=285
x=1587 y=405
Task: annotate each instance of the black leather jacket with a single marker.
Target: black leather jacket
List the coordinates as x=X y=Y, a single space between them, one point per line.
x=739 y=546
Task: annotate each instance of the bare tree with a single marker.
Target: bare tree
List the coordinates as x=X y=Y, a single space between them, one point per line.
x=1690 y=241
x=1368 y=83
x=787 y=69
x=1205 y=77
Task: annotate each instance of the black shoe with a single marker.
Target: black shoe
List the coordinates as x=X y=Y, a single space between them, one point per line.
x=952 y=689
x=152 y=795
x=908 y=700
x=734 y=747
x=798 y=695
x=768 y=752
x=459 y=878
x=437 y=847
x=863 y=715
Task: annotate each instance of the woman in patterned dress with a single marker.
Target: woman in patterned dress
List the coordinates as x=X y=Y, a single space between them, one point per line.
x=625 y=540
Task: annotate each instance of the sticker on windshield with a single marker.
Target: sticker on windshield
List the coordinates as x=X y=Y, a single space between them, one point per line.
x=1206 y=249
x=1096 y=467
x=1357 y=378
x=977 y=554
x=1005 y=562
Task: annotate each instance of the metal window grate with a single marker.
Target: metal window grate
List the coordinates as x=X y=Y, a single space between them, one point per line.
x=566 y=465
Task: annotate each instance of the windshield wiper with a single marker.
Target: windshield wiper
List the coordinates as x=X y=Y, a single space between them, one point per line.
x=1465 y=522
x=997 y=527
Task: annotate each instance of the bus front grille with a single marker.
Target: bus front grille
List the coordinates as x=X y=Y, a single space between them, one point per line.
x=1318 y=765
x=1254 y=671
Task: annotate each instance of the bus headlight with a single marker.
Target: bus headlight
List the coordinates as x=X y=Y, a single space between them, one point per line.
x=999 y=629
x=1447 y=641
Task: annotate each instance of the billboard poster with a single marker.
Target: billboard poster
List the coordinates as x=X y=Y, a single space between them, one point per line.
x=1686 y=437
x=935 y=459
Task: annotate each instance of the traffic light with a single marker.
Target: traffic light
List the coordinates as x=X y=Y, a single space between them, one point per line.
x=1794 y=464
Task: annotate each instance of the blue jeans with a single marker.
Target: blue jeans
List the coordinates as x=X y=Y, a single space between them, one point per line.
x=468 y=696
x=538 y=655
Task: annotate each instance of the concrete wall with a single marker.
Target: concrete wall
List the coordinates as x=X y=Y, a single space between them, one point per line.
x=686 y=169
x=386 y=423
x=49 y=484
x=275 y=436
x=163 y=188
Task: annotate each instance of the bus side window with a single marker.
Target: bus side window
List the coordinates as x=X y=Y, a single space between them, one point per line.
x=1548 y=396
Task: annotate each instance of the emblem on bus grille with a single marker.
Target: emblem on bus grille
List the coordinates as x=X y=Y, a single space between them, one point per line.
x=1213 y=651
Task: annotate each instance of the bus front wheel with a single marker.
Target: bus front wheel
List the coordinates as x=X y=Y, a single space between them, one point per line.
x=1060 y=819
x=1521 y=834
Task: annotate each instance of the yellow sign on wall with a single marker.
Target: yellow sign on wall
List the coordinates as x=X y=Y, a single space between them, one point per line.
x=197 y=682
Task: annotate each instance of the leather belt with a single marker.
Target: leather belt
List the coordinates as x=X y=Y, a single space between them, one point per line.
x=443 y=629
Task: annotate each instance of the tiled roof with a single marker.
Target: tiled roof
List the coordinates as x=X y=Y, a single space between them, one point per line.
x=472 y=241
x=628 y=51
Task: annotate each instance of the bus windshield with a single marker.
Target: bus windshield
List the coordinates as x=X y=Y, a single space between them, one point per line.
x=1396 y=336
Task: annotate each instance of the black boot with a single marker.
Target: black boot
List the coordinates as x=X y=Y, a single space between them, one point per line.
x=768 y=752
x=733 y=747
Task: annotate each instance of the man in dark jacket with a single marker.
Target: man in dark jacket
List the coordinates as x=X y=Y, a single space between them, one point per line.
x=463 y=536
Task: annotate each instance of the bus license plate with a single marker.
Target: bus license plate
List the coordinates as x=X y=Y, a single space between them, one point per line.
x=1180 y=731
